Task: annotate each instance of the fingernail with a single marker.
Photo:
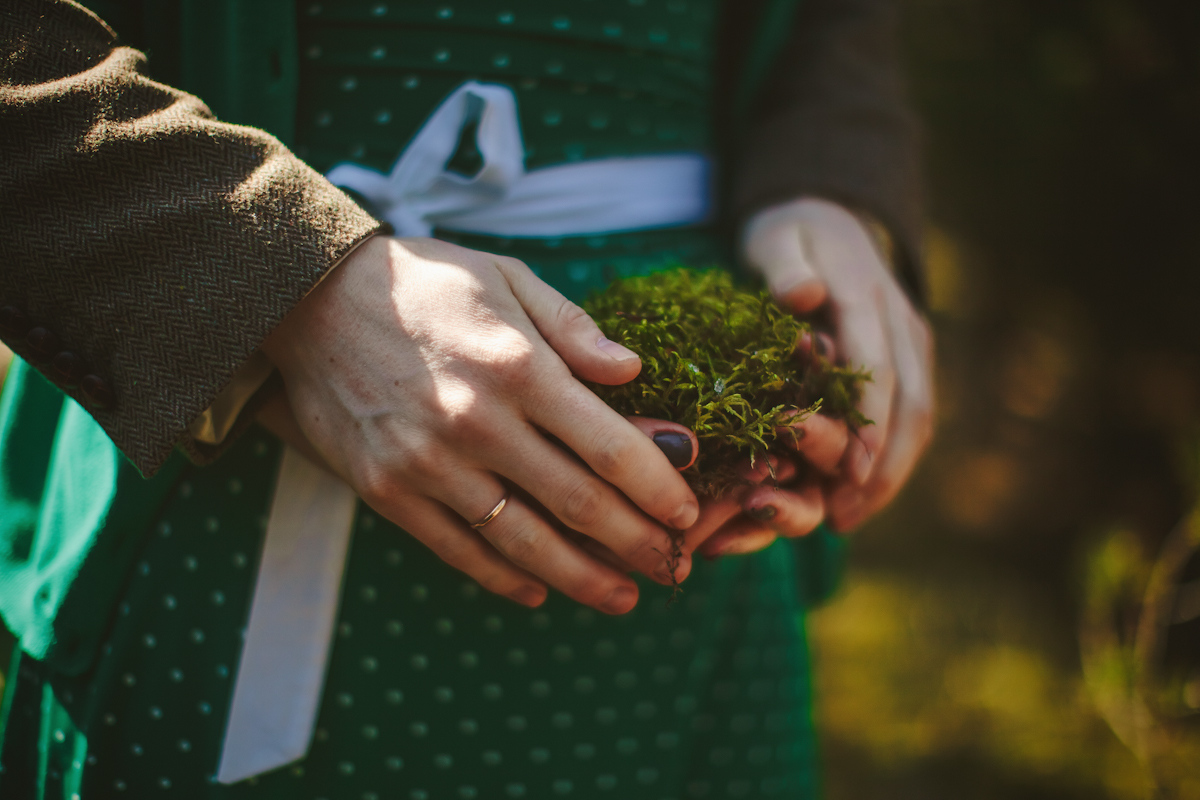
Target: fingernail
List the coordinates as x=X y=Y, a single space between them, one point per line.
x=621 y=600
x=530 y=596
x=762 y=513
x=676 y=446
x=685 y=517
x=674 y=570
x=683 y=568
x=823 y=346
x=615 y=351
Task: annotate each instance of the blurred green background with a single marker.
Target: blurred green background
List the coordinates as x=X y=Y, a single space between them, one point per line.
x=993 y=639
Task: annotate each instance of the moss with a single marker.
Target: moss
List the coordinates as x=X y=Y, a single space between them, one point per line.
x=722 y=361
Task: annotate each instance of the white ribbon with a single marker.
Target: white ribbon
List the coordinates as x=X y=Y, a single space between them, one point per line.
x=282 y=668
x=281 y=672
x=503 y=199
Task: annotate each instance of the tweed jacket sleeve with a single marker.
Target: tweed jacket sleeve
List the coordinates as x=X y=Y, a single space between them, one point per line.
x=148 y=247
x=833 y=121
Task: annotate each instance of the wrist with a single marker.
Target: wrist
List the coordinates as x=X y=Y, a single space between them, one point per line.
x=318 y=305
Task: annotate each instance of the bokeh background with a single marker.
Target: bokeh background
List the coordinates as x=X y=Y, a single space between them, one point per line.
x=1025 y=621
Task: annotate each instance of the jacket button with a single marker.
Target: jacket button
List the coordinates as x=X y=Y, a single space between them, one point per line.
x=13 y=322
x=43 y=345
x=96 y=392
x=68 y=368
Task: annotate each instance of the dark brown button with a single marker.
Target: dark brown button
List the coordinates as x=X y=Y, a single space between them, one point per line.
x=12 y=321
x=43 y=345
x=68 y=368
x=96 y=392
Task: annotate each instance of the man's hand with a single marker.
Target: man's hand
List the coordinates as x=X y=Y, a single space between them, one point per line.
x=814 y=254
x=429 y=376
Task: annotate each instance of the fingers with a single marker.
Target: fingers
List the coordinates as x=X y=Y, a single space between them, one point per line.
x=813 y=348
x=528 y=541
x=516 y=541
x=782 y=252
x=865 y=342
x=912 y=428
x=739 y=537
x=789 y=512
x=589 y=505
x=821 y=441
x=455 y=543
x=677 y=443
x=597 y=434
x=774 y=469
x=714 y=515
x=769 y=514
x=619 y=453
x=568 y=329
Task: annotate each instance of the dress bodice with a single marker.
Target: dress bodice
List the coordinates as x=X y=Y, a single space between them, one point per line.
x=593 y=79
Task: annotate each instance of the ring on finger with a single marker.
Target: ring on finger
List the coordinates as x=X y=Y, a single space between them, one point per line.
x=491 y=515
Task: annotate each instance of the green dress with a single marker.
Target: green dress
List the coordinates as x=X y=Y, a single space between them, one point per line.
x=437 y=689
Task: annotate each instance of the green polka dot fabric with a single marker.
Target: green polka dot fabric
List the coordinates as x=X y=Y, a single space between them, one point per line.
x=592 y=80
x=436 y=689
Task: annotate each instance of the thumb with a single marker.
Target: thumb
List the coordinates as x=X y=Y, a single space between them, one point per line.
x=568 y=329
x=781 y=251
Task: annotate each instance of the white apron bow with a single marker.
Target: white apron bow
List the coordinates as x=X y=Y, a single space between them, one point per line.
x=286 y=652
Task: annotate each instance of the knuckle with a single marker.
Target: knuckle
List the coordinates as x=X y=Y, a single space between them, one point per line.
x=375 y=484
x=610 y=456
x=453 y=550
x=458 y=405
x=423 y=459
x=466 y=415
x=592 y=590
x=513 y=360
x=508 y=263
x=583 y=505
x=521 y=544
x=570 y=316
x=646 y=552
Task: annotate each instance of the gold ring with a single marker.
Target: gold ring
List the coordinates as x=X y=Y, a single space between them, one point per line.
x=492 y=514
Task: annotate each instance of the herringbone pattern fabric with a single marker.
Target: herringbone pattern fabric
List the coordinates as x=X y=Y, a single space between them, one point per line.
x=156 y=242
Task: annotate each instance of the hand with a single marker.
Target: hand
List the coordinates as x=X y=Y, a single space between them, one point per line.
x=427 y=376
x=781 y=498
x=814 y=254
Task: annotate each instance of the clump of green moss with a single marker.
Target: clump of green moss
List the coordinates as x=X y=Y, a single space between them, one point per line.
x=721 y=361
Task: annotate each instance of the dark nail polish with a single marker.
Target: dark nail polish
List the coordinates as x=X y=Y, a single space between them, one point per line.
x=676 y=446
x=762 y=513
x=823 y=345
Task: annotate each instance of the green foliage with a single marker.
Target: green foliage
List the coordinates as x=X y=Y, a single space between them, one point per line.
x=721 y=361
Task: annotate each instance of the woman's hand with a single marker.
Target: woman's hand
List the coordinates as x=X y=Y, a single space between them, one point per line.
x=428 y=376
x=815 y=254
x=783 y=497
